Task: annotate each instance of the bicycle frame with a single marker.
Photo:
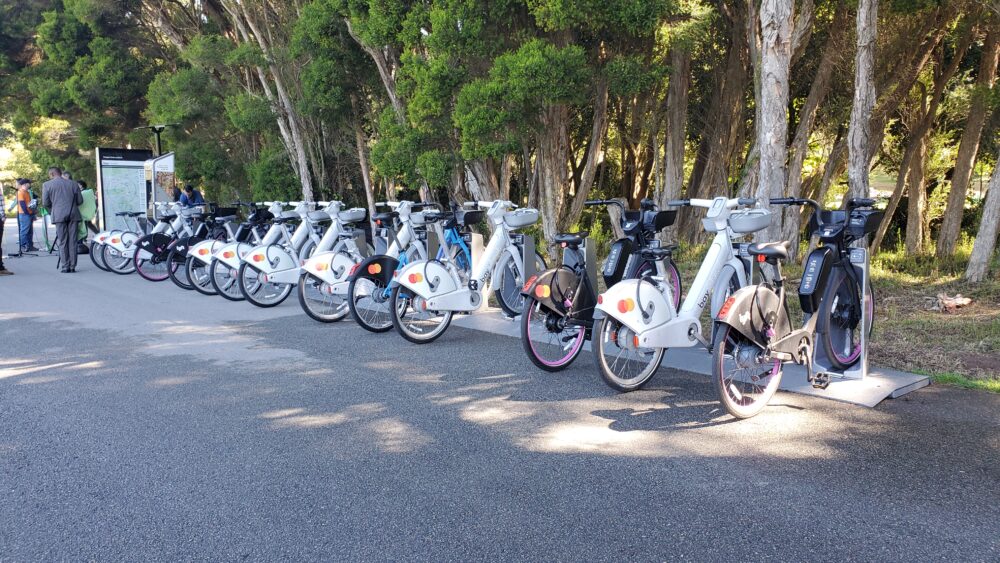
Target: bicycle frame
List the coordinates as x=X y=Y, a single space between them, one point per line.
x=645 y=306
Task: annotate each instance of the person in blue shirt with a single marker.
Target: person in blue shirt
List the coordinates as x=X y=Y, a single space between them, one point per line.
x=191 y=197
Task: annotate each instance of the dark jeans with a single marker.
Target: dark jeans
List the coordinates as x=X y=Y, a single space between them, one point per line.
x=24 y=223
x=1 y=244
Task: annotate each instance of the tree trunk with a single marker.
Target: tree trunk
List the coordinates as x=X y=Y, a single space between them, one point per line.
x=969 y=146
x=917 y=198
x=897 y=192
x=677 y=102
x=982 y=249
x=860 y=132
x=818 y=90
x=772 y=130
x=595 y=155
x=551 y=157
x=366 y=176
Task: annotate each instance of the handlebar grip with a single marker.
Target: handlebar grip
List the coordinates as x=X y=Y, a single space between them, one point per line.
x=747 y=201
x=783 y=201
x=678 y=202
x=594 y=202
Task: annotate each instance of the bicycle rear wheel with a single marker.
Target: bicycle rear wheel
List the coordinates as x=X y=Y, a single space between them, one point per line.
x=97 y=255
x=319 y=302
x=510 y=283
x=623 y=364
x=258 y=291
x=178 y=272
x=413 y=320
x=744 y=383
x=116 y=261
x=200 y=276
x=550 y=343
x=225 y=281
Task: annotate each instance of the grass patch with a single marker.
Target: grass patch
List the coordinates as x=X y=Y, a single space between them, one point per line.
x=959 y=380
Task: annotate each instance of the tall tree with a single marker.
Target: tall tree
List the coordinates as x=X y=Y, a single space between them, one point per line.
x=982 y=249
x=968 y=147
x=772 y=128
x=859 y=134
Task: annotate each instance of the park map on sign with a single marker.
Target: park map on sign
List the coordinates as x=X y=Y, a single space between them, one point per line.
x=122 y=189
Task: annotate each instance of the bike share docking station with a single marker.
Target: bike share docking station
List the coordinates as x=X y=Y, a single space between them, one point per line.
x=861 y=384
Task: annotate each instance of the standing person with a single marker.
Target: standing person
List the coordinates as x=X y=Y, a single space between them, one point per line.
x=62 y=198
x=3 y=216
x=26 y=207
x=191 y=197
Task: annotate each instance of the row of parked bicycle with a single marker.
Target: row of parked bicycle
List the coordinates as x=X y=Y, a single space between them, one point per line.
x=430 y=265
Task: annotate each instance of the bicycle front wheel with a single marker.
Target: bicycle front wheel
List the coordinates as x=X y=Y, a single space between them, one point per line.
x=839 y=323
x=623 y=364
x=368 y=300
x=116 y=261
x=178 y=270
x=200 y=276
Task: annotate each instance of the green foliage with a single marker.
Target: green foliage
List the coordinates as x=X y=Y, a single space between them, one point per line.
x=271 y=177
x=249 y=113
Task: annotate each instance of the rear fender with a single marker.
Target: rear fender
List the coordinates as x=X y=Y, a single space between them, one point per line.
x=204 y=250
x=752 y=308
x=378 y=268
x=427 y=278
x=232 y=254
x=553 y=289
x=183 y=246
x=330 y=267
x=271 y=258
x=620 y=302
x=155 y=245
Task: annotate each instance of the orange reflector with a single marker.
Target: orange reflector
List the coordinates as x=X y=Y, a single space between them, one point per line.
x=600 y=299
x=321 y=267
x=416 y=278
x=626 y=305
x=542 y=291
x=228 y=254
x=354 y=268
x=202 y=252
x=115 y=241
x=725 y=307
x=374 y=269
x=761 y=258
x=528 y=283
x=258 y=257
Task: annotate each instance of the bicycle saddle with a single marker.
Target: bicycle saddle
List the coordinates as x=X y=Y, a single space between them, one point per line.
x=435 y=216
x=469 y=217
x=571 y=240
x=319 y=216
x=130 y=213
x=226 y=219
x=771 y=251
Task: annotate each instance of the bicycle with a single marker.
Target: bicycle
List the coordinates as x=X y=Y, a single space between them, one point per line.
x=119 y=251
x=248 y=235
x=152 y=253
x=427 y=293
x=558 y=313
x=753 y=330
x=211 y=228
x=640 y=320
x=130 y=218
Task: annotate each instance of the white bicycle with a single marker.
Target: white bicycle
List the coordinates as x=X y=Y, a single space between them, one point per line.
x=639 y=320
x=269 y=272
x=248 y=235
x=118 y=251
x=368 y=289
x=324 y=279
x=226 y=262
x=429 y=292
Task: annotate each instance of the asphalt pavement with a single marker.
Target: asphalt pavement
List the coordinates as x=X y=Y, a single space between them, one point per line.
x=142 y=422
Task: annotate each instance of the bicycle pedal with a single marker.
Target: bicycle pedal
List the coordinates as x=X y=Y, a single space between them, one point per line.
x=821 y=381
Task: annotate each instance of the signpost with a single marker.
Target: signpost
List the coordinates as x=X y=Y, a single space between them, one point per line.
x=121 y=184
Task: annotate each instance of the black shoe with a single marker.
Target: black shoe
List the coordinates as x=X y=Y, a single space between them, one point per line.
x=72 y=270
x=64 y=271
x=32 y=249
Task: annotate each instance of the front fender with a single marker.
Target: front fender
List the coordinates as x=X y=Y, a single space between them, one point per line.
x=378 y=268
x=748 y=309
x=553 y=289
x=427 y=278
x=622 y=301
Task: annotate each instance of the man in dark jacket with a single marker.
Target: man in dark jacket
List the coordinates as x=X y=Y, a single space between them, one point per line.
x=62 y=198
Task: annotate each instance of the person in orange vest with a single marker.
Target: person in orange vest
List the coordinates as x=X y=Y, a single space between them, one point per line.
x=3 y=216
x=27 y=205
